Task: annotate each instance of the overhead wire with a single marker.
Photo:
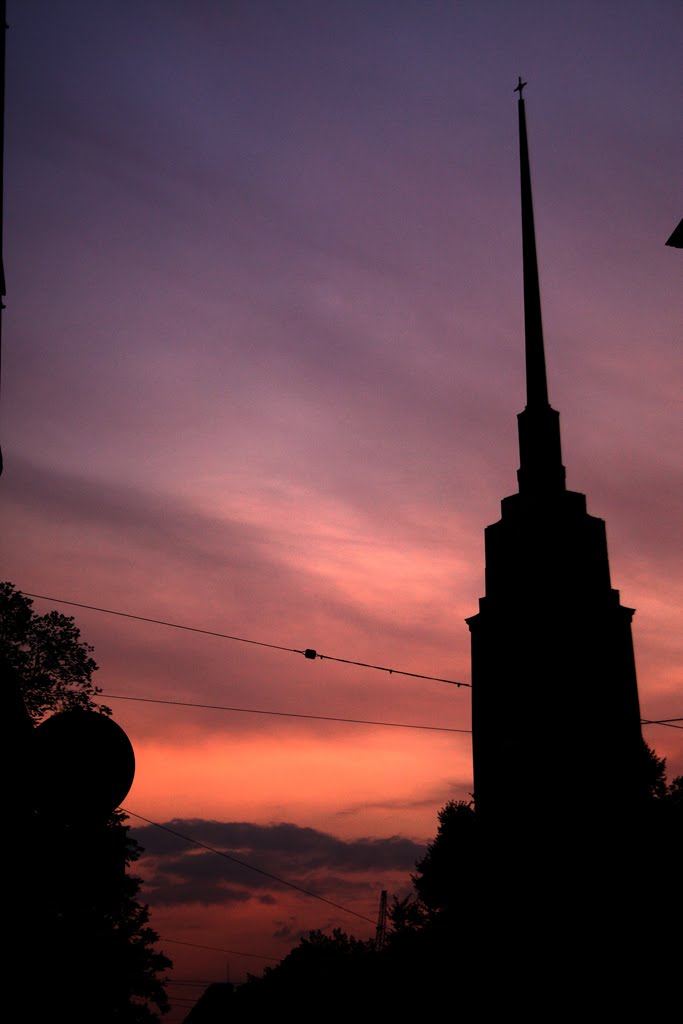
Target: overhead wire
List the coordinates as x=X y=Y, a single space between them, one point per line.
x=308 y=652
x=331 y=718
x=193 y=982
x=281 y=714
x=219 y=949
x=251 y=867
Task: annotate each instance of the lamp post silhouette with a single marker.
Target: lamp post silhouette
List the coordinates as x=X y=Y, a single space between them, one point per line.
x=67 y=776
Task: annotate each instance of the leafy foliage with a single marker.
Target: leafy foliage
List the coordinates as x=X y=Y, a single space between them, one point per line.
x=492 y=927
x=438 y=881
x=324 y=972
x=70 y=890
x=102 y=964
x=48 y=655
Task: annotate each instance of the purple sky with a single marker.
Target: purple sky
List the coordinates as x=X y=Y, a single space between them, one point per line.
x=262 y=362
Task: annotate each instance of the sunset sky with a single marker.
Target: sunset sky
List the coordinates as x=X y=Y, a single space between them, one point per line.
x=262 y=360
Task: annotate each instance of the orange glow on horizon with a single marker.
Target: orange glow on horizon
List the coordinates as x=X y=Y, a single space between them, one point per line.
x=347 y=786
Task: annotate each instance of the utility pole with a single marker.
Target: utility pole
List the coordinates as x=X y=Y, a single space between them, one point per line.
x=381 y=932
x=3 y=12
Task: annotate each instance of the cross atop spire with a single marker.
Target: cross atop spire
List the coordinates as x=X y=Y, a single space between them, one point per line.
x=520 y=86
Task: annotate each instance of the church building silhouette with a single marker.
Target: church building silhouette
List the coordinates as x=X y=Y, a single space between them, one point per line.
x=555 y=710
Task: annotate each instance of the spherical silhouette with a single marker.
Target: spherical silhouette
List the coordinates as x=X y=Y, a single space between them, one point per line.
x=83 y=763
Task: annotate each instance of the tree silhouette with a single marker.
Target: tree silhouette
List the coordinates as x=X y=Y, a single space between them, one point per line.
x=532 y=914
x=324 y=972
x=82 y=947
x=51 y=661
x=438 y=881
x=100 y=961
x=509 y=929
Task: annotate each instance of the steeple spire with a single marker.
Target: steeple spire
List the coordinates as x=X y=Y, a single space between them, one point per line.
x=536 y=384
x=541 y=469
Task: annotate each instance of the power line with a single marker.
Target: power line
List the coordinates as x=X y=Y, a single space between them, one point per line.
x=330 y=718
x=244 y=864
x=282 y=714
x=217 y=949
x=178 y=981
x=198 y=984
x=307 y=652
x=162 y=622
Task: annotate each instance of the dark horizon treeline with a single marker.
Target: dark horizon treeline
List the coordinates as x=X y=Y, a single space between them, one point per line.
x=572 y=900
x=541 y=919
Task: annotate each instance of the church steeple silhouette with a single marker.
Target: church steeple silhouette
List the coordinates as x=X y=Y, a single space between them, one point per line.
x=555 y=711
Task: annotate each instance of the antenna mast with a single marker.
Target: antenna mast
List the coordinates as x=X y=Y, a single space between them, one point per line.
x=381 y=933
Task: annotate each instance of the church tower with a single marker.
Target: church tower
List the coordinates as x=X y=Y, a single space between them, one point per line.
x=555 y=712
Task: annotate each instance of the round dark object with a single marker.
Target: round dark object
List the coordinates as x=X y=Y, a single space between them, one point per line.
x=83 y=763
